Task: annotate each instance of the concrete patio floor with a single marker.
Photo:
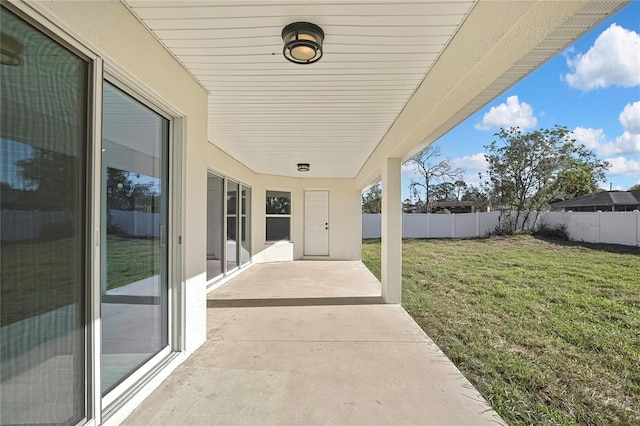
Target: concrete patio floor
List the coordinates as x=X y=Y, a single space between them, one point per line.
x=308 y=343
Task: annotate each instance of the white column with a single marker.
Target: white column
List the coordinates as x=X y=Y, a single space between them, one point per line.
x=392 y=231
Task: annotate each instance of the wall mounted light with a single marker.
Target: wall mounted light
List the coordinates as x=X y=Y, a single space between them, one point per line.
x=303 y=167
x=302 y=42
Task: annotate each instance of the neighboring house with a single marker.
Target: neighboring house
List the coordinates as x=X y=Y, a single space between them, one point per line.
x=605 y=201
x=450 y=206
x=455 y=206
x=191 y=110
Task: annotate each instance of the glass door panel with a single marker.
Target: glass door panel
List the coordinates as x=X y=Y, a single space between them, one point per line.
x=245 y=226
x=215 y=225
x=232 y=225
x=134 y=210
x=43 y=207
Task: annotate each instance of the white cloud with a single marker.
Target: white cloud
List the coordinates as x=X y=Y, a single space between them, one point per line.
x=614 y=59
x=621 y=166
x=630 y=118
x=513 y=113
x=627 y=143
x=473 y=165
x=590 y=138
x=471 y=162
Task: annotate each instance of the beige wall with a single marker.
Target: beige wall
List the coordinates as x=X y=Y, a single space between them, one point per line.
x=115 y=35
x=345 y=218
x=345 y=231
x=345 y=210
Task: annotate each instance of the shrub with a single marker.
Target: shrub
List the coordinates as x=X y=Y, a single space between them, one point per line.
x=558 y=232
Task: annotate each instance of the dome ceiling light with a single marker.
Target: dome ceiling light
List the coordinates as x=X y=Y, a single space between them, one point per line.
x=302 y=42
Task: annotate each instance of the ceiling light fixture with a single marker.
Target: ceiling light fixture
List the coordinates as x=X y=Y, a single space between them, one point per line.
x=303 y=167
x=302 y=42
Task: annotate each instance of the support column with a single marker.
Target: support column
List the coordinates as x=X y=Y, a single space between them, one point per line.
x=392 y=231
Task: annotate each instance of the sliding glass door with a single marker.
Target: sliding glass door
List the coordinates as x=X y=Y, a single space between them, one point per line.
x=232 y=225
x=55 y=306
x=44 y=211
x=134 y=260
x=245 y=226
x=215 y=226
x=227 y=210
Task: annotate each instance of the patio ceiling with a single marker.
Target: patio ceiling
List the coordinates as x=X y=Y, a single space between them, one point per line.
x=270 y=114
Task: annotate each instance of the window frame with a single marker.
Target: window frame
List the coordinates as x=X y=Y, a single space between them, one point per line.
x=279 y=215
x=215 y=281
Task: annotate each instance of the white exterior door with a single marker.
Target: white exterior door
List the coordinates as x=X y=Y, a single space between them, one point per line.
x=316 y=223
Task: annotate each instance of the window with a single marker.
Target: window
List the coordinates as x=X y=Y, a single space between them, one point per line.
x=278 y=220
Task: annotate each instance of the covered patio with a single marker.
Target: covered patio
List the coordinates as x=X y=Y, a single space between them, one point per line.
x=311 y=342
x=187 y=120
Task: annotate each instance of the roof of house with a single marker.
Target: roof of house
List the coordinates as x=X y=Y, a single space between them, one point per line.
x=605 y=198
x=455 y=203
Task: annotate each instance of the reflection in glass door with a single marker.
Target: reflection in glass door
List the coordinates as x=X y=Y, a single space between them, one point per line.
x=134 y=211
x=43 y=151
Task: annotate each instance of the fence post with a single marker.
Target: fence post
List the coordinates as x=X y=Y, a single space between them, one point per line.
x=477 y=224
x=453 y=225
x=637 y=228
x=599 y=226
x=428 y=225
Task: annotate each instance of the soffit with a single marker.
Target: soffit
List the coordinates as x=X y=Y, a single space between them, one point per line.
x=395 y=76
x=271 y=114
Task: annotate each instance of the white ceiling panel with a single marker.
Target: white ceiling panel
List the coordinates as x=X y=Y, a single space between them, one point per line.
x=271 y=114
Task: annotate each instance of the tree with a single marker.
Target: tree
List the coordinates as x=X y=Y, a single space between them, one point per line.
x=372 y=199
x=460 y=187
x=445 y=191
x=432 y=170
x=527 y=170
x=53 y=176
x=476 y=194
x=635 y=187
x=579 y=180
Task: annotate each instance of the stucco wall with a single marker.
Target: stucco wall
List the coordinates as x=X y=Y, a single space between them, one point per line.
x=111 y=31
x=345 y=218
x=344 y=210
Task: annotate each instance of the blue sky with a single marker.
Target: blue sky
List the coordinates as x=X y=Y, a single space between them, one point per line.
x=592 y=87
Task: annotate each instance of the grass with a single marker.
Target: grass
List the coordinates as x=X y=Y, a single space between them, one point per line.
x=37 y=277
x=548 y=332
x=130 y=260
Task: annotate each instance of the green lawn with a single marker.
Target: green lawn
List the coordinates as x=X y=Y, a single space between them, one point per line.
x=130 y=260
x=36 y=277
x=548 y=332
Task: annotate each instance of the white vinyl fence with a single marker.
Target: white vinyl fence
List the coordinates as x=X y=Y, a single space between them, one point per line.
x=136 y=224
x=601 y=227
x=22 y=225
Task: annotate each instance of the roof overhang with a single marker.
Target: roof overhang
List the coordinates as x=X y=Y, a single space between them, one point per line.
x=393 y=78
